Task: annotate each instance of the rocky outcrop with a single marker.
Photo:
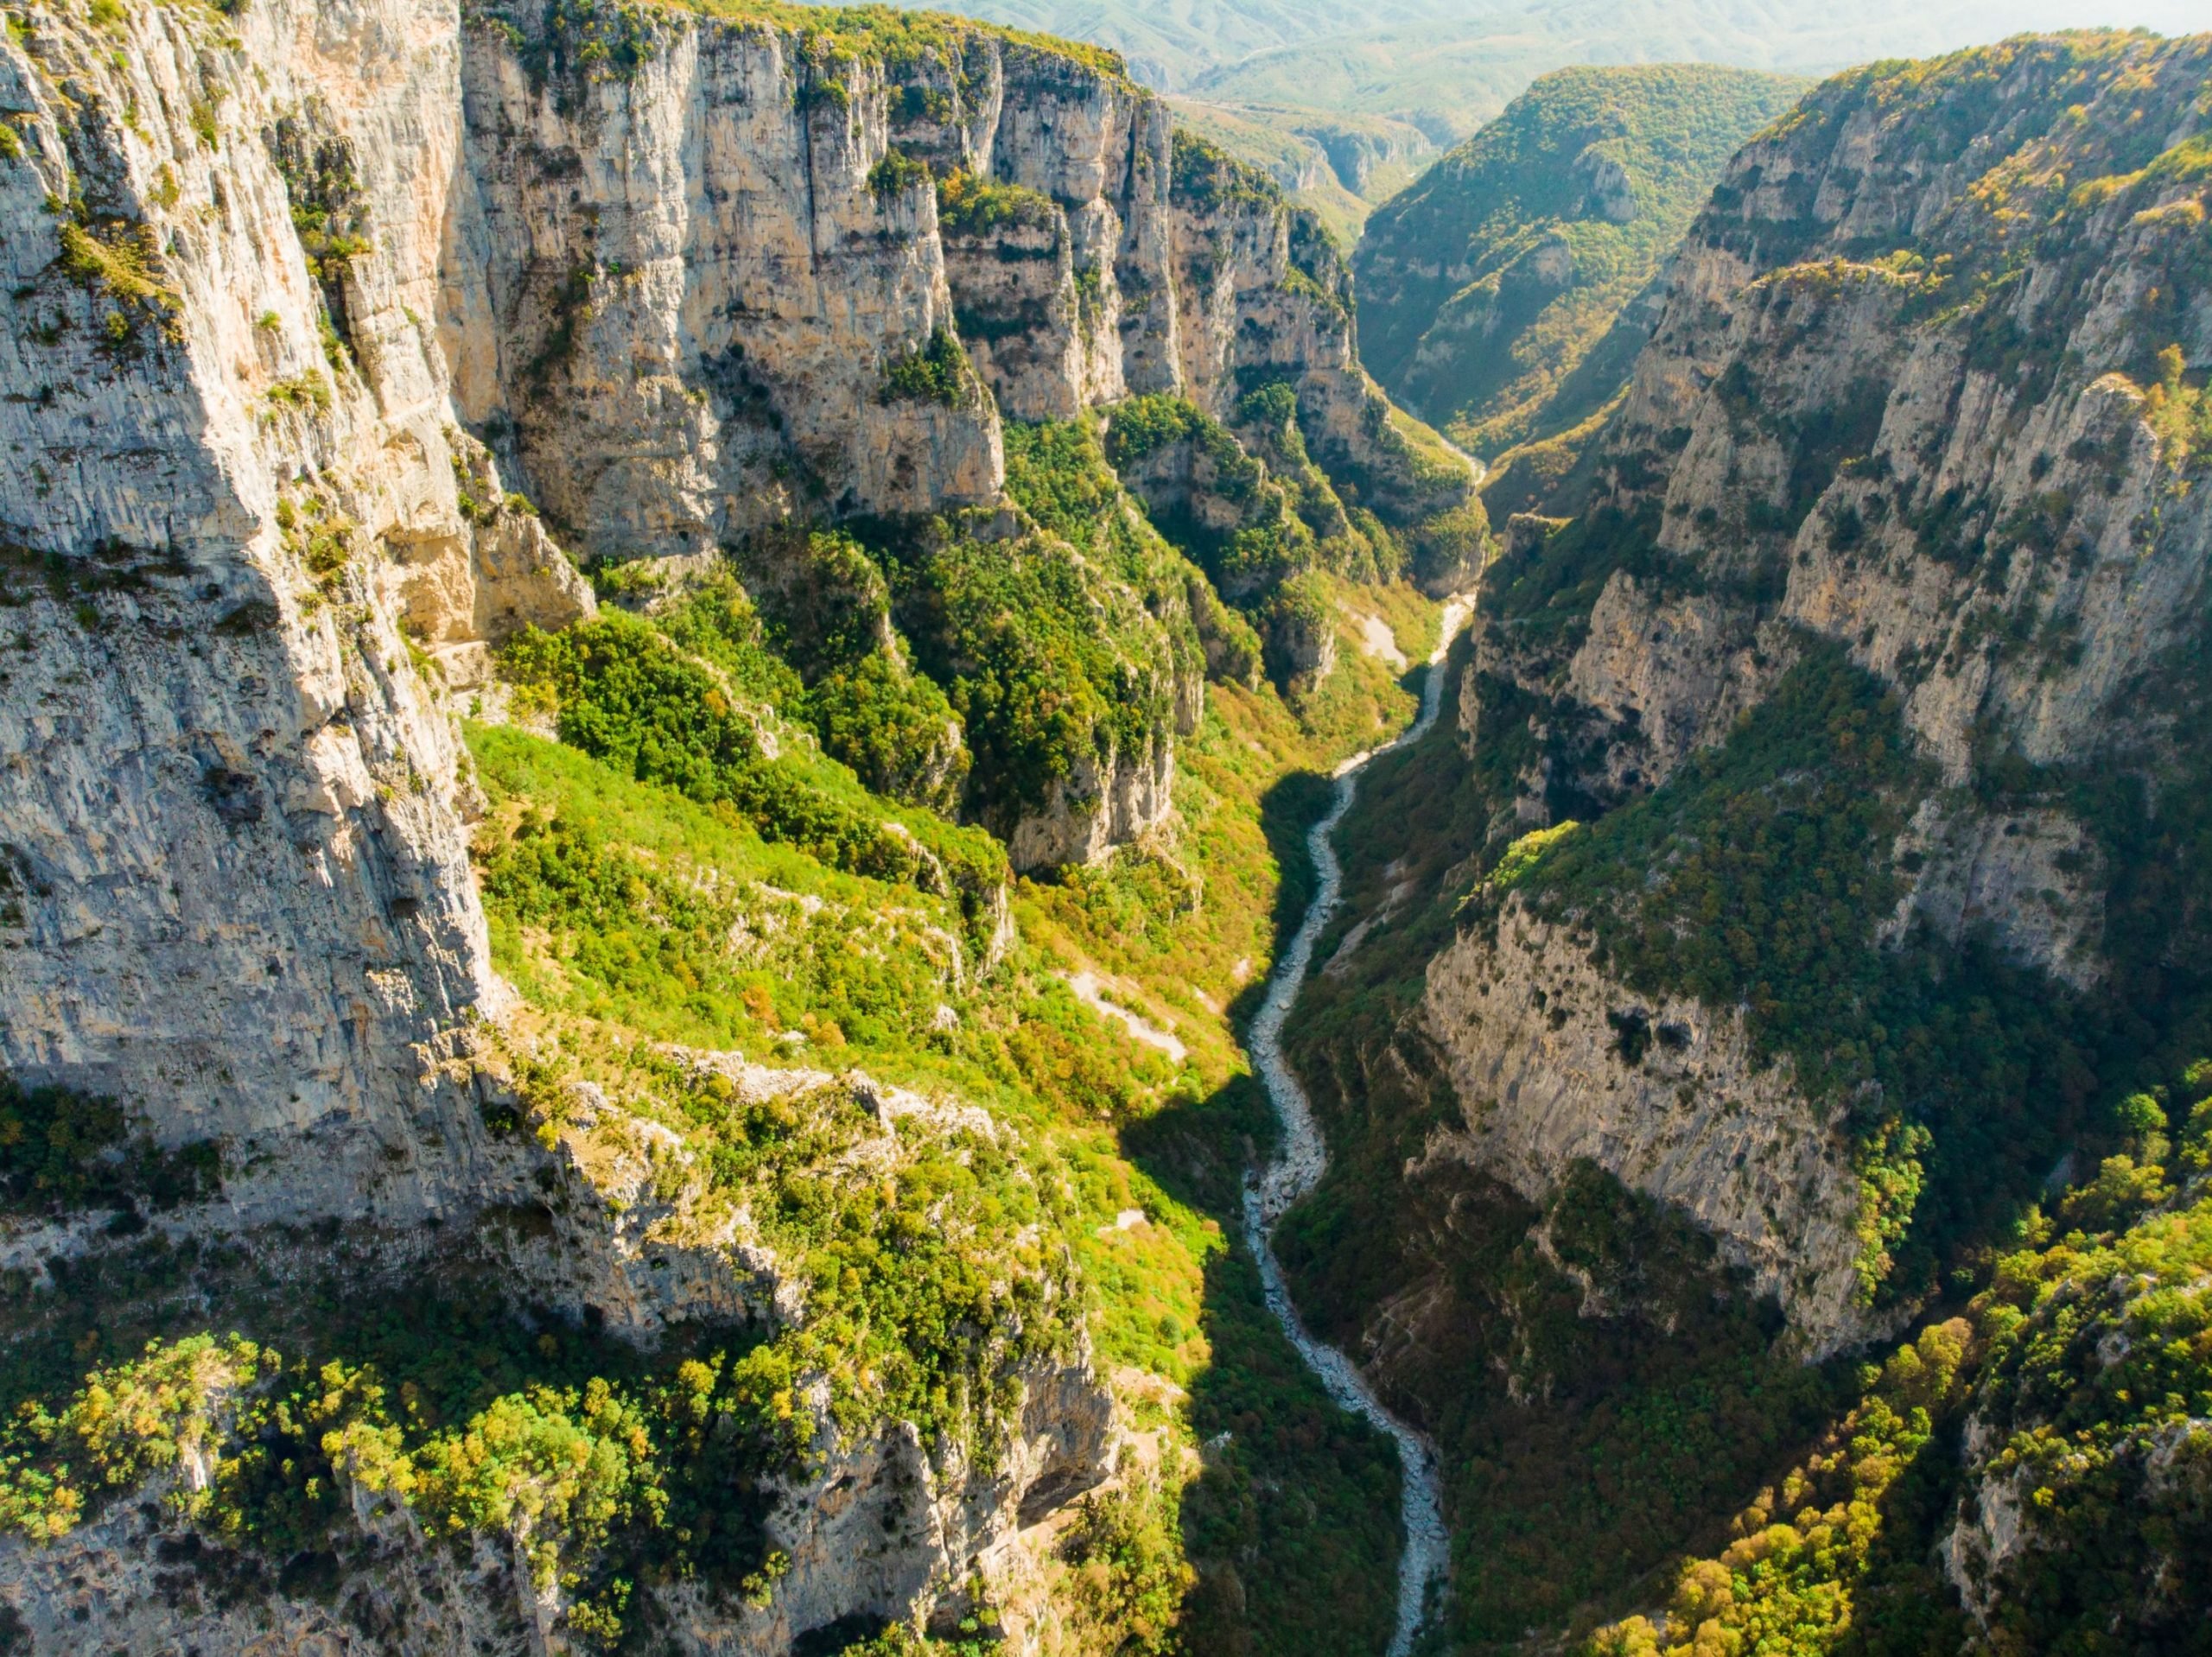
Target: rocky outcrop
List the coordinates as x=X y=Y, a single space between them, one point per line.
x=676 y=291
x=1107 y=802
x=1552 y=1062
x=267 y=272
x=878 y=1534
x=1995 y=534
x=238 y=813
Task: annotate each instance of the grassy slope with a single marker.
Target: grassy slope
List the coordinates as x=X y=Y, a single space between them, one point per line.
x=1185 y=934
x=1459 y=316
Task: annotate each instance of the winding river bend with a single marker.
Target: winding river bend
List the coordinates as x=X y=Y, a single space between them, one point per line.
x=1305 y=1157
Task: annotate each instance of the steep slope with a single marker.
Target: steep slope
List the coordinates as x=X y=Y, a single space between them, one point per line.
x=1504 y=293
x=2073 y=1389
x=1818 y=863
x=410 y=1051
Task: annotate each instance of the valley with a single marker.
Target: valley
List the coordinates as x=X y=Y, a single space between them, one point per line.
x=783 y=870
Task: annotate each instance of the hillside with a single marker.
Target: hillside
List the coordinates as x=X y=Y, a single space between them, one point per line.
x=630 y=856
x=1810 y=890
x=1499 y=294
x=1453 y=69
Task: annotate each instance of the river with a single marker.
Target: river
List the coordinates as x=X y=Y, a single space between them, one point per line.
x=1305 y=1156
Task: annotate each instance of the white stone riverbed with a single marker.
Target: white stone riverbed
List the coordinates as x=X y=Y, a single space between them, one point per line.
x=1299 y=1167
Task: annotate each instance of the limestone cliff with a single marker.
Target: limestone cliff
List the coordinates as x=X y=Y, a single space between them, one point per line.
x=1809 y=869
x=1909 y=402
x=268 y=273
x=327 y=329
x=237 y=814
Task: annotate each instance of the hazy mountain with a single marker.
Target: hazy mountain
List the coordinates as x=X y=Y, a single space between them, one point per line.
x=1452 y=64
x=1496 y=292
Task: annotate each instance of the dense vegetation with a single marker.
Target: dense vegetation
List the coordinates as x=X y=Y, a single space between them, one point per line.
x=1755 y=878
x=2085 y=1366
x=61 y=1151
x=618 y=903
x=1496 y=292
x=571 y=43
x=1247 y=502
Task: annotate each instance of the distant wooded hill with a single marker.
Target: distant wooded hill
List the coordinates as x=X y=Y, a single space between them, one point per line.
x=1497 y=293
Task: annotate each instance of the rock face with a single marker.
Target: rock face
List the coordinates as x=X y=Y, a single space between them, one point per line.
x=267 y=275
x=1538 y=1045
x=235 y=813
x=677 y=291
x=880 y=1530
x=1105 y=803
x=1868 y=415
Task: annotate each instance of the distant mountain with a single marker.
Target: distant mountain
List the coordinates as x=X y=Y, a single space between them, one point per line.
x=1171 y=43
x=1340 y=165
x=1497 y=293
x=1450 y=65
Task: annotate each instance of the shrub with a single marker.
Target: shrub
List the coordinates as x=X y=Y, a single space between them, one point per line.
x=894 y=728
x=938 y=371
x=61 y=1150
x=897 y=174
x=968 y=205
x=627 y=695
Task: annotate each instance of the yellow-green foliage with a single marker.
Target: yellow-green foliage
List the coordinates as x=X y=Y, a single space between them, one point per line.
x=316 y=533
x=2087 y=1363
x=121 y=261
x=160 y=1417
x=2179 y=413
x=1785 y=1587
x=613 y=39
x=1205 y=178
x=1525 y=854
x=970 y=206
x=310 y=390
x=937 y=370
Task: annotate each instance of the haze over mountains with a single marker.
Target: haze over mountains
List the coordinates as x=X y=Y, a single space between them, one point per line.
x=1452 y=64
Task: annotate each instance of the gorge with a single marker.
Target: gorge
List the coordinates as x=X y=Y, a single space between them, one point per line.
x=776 y=876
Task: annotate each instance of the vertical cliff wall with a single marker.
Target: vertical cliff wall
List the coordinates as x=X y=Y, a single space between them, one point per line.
x=338 y=339
x=1912 y=455
x=235 y=819
x=265 y=272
